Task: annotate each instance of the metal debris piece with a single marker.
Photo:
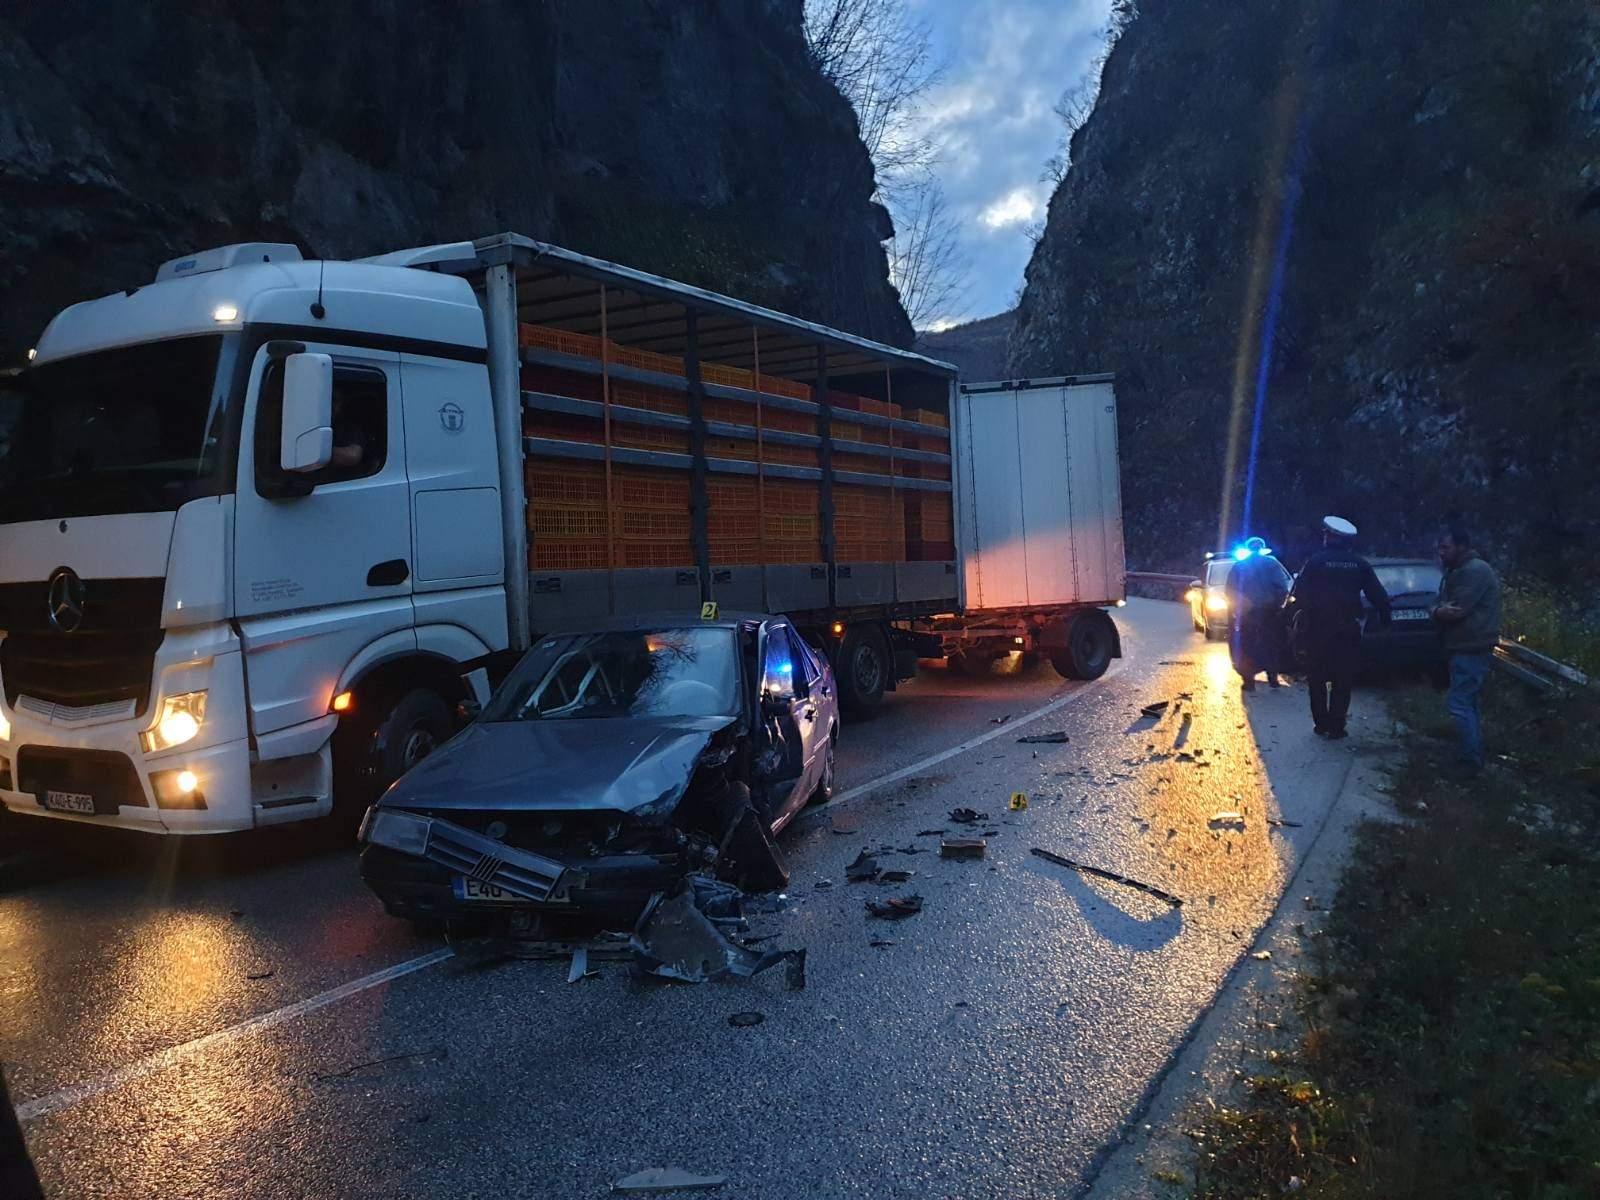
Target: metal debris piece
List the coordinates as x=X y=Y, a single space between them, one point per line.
x=895 y=908
x=896 y=876
x=666 y=1179
x=881 y=942
x=967 y=816
x=863 y=870
x=746 y=1020
x=1262 y=955
x=930 y=833
x=1282 y=824
x=1061 y=861
x=1227 y=820
x=1045 y=739
x=1156 y=709
x=677 y=938
x=846 y=822
x=962 y=848
x=580 y=966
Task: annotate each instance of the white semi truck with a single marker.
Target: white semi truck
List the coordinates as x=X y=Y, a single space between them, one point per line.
x=266 y=523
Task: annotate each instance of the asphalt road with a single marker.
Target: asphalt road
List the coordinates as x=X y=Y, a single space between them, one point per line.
x=167 y=1027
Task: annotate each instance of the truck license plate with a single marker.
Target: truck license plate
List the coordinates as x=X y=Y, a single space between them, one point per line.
x=485 y=893
x=72 y=802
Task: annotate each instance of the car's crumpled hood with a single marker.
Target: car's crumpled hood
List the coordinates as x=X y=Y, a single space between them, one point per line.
x=622 y=764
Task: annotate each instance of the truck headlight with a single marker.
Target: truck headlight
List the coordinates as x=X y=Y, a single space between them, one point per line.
x=180 y=720
x=1216 y=603
x=395 y=830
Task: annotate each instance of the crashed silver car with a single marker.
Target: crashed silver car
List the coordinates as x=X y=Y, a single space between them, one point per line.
x=609 y=765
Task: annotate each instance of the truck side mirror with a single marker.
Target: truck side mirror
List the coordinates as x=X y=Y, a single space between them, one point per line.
x=306 y=441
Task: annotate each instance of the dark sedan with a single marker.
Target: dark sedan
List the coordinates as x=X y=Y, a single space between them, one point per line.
x=611 y=763
x=1410 y=639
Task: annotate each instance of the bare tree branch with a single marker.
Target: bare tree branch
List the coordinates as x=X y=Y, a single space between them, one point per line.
x=925 y=260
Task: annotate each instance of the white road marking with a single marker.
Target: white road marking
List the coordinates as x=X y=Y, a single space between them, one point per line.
x=68 y=1097
x=79 y=1092
x=934 y=760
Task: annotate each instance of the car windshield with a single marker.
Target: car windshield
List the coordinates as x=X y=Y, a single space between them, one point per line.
x=1403 y=579
x=631 y=673
x=136 y=429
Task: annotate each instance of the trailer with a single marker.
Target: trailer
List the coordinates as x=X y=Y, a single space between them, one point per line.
x=265 y=522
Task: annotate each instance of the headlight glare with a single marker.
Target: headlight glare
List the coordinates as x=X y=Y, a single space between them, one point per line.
x=1216 y=603
x=396 y=830
x=180 y=720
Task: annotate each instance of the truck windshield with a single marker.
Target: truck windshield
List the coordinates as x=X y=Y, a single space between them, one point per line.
x=136 y=429
x=636 y=673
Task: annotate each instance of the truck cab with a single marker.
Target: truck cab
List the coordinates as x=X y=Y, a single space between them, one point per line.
x=250 y=540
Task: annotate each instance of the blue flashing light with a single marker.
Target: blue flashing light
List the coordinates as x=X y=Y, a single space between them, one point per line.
x=1241 y=554
x=1265 y=552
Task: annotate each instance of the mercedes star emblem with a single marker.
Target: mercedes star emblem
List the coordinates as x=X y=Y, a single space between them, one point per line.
x=66 y=599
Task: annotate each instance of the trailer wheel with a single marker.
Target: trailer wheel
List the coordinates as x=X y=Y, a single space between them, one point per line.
x=1090 y=642
x=863 y=670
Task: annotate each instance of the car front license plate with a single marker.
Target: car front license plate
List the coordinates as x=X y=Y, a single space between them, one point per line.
x=485 y=893
x=1411 y=614
x=72 y=802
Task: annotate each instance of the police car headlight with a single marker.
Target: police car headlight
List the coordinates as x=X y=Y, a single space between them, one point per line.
x=180 y=721
x=396 y=830
x=1216 y=603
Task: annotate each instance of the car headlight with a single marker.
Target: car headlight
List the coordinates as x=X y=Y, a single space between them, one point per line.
x=395 y=830
x=1216 y=603
x=180 y=720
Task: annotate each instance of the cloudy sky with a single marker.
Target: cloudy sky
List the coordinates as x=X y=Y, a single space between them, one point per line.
x=1006 y=64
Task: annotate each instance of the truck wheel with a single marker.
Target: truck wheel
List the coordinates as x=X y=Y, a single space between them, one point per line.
x=367 y=760
x=863 y=670
x=1087 y=654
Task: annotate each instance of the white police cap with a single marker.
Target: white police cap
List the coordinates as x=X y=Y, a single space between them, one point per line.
x=1339 y=527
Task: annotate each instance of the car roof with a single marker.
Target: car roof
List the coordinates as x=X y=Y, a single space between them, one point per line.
x=675 y=619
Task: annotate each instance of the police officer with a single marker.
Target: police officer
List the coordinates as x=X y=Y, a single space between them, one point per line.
x=1256 y=589
x=1328 y=596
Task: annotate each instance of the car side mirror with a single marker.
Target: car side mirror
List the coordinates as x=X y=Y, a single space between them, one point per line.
x=306 y=441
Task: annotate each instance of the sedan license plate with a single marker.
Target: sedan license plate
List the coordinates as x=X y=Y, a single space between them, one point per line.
x=72 y=802
x=484 y=893
x=1410 y=614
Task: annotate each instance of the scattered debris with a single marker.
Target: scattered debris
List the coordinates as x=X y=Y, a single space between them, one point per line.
x=1185 y=695
x=1177 y=662
x=745 y=1020
x=1262 y=955
x=1019 y=802
x=962 y=848
x=1061 y=861
x=267 y=974
x=1282 y=824
x=580 y=966
x=967 y=816
x=681 y=937
x=881 y=942
x=895 y=908
x=1059 y=737
x=438 y=1053
x=930 y=833
x=1227 y=820
x=1183 y=732
x=666 y=1179
x=896 y=876
x=1000 y=720
x=846 y=822
x=1156 y=709
x=863 y=870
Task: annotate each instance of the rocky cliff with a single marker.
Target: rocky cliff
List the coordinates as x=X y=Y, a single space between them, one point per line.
x=1382 y=219
x=688 y=137
x=977 y=347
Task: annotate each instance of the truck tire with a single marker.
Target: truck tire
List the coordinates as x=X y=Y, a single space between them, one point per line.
x=1090 y=642
x=368 y=759
x=863 y=670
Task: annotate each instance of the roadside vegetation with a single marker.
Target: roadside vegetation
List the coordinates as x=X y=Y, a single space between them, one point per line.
x=1451 y=1007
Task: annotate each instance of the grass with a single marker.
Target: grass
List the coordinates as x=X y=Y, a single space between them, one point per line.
x=1452 y=1022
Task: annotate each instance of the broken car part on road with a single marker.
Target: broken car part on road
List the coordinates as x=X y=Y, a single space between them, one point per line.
x=685 y=937
x=1102 y=873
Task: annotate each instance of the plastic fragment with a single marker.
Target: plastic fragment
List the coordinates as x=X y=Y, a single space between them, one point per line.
x=1262 y=955
x=1045 y=739
x=1101 y=872
x=895 y=908
x=963 y=848
x=666 y=1179
x=745 y=1020
x=1156 y=709
x=1227 y=820
x=967 y=816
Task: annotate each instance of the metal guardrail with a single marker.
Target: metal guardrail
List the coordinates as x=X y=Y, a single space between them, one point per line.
x=1537 y=670
x=1156 y=586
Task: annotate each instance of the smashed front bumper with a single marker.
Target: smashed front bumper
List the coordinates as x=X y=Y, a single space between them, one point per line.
x=412 y=865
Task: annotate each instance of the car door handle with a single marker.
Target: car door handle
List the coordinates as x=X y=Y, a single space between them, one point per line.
x=388 y=574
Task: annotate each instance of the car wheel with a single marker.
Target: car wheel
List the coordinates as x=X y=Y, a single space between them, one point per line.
x=863 y=670
x=1091 y=639
x=824 y=791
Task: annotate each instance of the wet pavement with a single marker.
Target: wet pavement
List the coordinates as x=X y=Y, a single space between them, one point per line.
x=994 y=1048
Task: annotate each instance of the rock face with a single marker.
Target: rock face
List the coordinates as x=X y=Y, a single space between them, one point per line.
x=687 y=137
x=1383 y=218
x=977 y=347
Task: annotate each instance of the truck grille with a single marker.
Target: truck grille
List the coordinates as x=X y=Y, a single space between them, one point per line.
x=109 y=777
x=107 y=660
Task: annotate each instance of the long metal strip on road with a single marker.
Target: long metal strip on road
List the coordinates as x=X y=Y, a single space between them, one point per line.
x=76 y=1094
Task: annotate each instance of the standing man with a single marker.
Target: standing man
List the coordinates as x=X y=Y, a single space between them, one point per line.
x=1468 y=615
x=1256 y=592
x=1328 y=596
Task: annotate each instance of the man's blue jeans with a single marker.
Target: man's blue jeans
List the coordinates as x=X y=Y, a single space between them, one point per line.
x=1467 y=673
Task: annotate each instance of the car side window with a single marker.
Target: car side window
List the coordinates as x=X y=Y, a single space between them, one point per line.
x=360 y=427
x=778 y=665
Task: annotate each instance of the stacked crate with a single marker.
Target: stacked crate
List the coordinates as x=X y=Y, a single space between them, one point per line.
x=566 y=515
x=866 y=527
x=650 y=514
x=793 y=526
x=930 y=516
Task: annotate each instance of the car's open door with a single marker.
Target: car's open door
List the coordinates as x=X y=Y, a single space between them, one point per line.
x=781 y=757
